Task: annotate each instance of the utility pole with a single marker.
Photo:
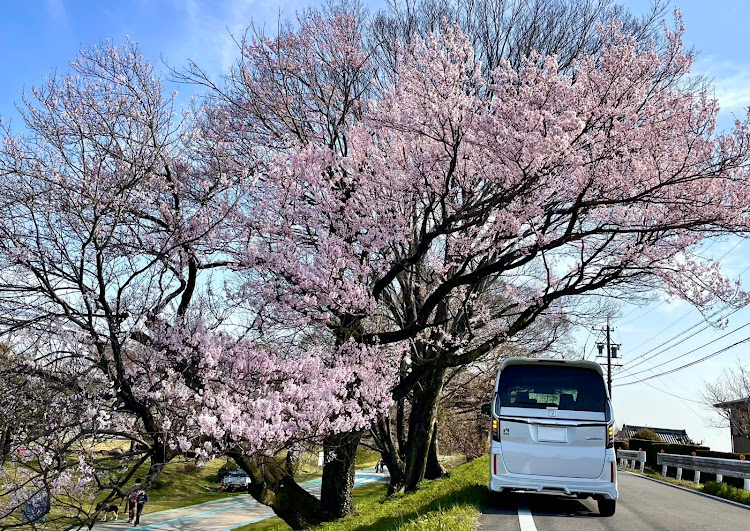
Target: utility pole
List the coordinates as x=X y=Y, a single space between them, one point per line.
x=611 y=353
x=609 y=361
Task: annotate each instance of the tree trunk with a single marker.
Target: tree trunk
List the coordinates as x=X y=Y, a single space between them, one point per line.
x=338 y=474
x=6 y=441
x=381 y=432
x=434 y=469
x=400 y=431
x=272 y=486
x=421 y=424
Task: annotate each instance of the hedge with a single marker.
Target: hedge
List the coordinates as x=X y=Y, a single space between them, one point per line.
x=652 y=448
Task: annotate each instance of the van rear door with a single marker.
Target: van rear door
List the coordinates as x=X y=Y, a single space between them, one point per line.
x=552 y=420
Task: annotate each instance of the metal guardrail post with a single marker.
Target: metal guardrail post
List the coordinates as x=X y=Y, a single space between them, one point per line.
x=629 y=457
x=712 y=465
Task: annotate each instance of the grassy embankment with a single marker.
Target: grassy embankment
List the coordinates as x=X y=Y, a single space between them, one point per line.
x=182 y=483
x=449 y=504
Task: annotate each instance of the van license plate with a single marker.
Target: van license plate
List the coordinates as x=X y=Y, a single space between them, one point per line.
x=550 y=434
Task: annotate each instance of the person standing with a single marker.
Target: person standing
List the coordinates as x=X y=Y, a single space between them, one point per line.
x=141 y=499
x=131 y=496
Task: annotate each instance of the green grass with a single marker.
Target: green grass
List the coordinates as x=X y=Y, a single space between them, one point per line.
x=450 y=504
x=728 y=492
x=366 y=458
x=656 y=475
x=181 y=484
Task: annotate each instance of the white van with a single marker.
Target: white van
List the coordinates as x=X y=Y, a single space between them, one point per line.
x=552 y=430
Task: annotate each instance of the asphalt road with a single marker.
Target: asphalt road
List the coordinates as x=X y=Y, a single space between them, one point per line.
x=643 y=505
x=222 y=515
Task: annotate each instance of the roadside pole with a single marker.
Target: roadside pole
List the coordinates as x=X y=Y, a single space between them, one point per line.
x=612 y=350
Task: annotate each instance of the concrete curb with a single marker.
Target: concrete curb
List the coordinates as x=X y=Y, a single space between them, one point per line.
x=699 y=493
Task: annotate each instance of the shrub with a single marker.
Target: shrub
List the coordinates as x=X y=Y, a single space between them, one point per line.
x=190 y=468
x=653 y=448
x=728 y=492
x=647 y=435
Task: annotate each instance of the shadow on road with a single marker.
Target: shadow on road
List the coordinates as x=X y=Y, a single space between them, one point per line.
x=540 y=504
x=543 y=504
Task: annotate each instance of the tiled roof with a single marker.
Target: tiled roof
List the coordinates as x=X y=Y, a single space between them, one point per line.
x=730 y=403
x=666 y=435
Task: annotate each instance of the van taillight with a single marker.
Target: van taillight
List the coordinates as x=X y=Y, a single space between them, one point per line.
x=610 y=436
x=496 y=413
x=496 y=430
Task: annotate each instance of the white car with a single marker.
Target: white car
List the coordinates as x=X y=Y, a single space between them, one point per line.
x=552 y=430
x=233 y=481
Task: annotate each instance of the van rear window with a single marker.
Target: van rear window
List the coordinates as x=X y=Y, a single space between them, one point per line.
x=540 y=386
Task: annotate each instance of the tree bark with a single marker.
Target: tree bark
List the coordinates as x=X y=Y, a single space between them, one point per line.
x=421 y=424
x=400 y=431
x=272 y=486
x=6 y=440
x=434 y=469
x=338 y=474
x=381 y=432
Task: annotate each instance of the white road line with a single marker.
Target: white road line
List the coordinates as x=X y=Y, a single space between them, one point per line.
x=525 y=519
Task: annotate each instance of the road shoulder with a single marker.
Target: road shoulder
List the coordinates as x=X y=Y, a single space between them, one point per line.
x=699 y=493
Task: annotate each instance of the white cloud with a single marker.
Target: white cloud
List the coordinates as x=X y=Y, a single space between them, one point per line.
x=731 y=81
x=214 y=26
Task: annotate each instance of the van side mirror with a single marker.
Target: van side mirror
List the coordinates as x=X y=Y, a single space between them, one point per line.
x=486 y=409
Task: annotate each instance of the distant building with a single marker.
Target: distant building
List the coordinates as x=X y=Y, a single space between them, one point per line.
x=666 y=435
x=739 y=415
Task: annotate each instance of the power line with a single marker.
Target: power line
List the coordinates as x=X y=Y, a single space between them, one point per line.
x=664 y=301
x=689 y=351
x=672 y=394
x=660 y=333
x=688 y=364
x=585 y=344
x=673 y=338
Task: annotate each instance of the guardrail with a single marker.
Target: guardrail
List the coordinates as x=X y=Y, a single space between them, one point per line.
x=712 y=465
x=632 y=456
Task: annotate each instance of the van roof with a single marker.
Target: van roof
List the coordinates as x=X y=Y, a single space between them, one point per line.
x=584 y=364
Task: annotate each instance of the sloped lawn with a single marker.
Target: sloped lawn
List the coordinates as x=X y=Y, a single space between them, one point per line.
x=449 y=504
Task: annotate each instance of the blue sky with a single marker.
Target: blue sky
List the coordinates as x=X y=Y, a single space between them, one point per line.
x=37 y=36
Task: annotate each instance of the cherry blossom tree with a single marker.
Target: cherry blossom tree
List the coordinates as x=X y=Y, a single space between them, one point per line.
x=279 y=265
x=117 y=212
x=497 y=30
x=549 y=184
x=110 y=212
